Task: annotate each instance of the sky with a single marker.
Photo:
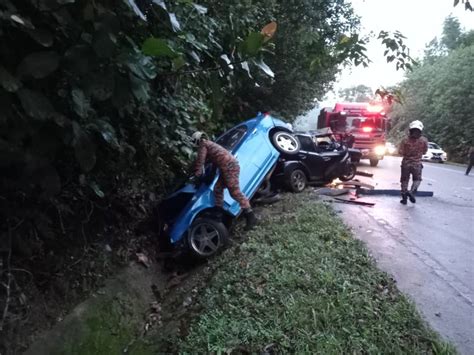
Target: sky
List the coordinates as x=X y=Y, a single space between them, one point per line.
x=418 y=20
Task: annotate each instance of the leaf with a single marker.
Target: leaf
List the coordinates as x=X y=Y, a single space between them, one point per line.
x=136 y=9
x=140 y=88
x=41 y=36
x=174 y=22
x=178 y=63
x=468 y=6
x=104 y=44
x=157 y=47
x=140 y=65
x=143 y=259
x=39 y=65
x=225 y=58
x=186 y=150
x=456 y=2
x=93 y=185
x=35 y=104
x=100 y=85
x=245 y=66
x=265 y=68
x=8 y=81
x=84 y=149
x=81 y=104
x=195 y=56
x=252 y=44
x=22 y=21
x=106 y=130
x=160 y=3
x=201 y=9
x=269 y=31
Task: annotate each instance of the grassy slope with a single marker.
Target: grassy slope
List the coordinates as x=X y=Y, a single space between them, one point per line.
x=302 y=283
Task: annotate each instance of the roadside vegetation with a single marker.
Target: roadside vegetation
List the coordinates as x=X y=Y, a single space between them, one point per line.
x=439 y=92
x=303 y=284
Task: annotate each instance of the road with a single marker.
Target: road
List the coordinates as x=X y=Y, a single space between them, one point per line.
x=428 y=247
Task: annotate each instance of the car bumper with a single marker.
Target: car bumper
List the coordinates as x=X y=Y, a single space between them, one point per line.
x=435 y=159
x=370 y=154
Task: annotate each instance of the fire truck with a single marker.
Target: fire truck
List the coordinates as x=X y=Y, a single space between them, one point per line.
x=364 y=125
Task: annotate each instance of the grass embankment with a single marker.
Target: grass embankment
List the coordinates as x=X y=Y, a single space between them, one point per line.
x=302 y=283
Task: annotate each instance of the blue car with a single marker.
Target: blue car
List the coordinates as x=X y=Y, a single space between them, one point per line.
x=188 y=216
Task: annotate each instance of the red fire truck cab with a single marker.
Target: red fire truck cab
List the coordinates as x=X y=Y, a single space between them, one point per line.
x=366 y=123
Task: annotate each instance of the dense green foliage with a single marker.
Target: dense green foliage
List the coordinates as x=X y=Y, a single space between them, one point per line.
x=303 y=284
x=440 y=93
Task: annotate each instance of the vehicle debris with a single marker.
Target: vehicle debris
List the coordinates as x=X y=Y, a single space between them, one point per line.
x=364 y=173
x=353 y=202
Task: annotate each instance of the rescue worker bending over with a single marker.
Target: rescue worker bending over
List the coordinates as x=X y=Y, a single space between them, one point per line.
x=229 y=174
x=412 y=149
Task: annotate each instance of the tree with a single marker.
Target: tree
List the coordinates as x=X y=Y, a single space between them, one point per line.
x=440 y=95
x=359 y=93
x=451 y=33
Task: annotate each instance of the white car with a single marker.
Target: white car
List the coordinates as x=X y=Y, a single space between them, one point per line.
x=435 y=153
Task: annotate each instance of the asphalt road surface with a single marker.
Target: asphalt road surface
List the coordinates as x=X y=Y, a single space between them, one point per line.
x=428 y=247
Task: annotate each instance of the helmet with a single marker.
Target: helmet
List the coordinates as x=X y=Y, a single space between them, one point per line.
x=197 y=136
x=416 y=125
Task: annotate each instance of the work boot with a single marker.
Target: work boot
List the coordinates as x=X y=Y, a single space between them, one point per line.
x=250 y=219
x=403 y=201
x=411 y=196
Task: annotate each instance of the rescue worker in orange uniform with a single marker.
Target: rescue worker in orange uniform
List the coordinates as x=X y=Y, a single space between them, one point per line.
x=412 y=150
x=210 y=152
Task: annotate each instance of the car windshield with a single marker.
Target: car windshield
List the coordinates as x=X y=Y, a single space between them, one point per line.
x=230 y=139
x=306 y=143
x=433 y=146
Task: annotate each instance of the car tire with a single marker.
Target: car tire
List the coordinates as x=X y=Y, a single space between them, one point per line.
x=350 y=174
x=206 y=237
x=264 y=189
x=285 y=143
x=296 y=181
x=374 y=162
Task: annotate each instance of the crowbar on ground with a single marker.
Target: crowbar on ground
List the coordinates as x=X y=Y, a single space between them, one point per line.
x=390 y=192
x=354 y=202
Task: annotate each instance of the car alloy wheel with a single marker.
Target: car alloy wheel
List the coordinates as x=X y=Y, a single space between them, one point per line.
x=286 y=143
x=206 y=236
x=297 y=180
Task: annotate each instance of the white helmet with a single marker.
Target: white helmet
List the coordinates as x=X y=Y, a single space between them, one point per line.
x=416 y=125
x=197 y=136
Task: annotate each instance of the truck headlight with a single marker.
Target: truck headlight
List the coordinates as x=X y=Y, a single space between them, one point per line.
x=379 y=150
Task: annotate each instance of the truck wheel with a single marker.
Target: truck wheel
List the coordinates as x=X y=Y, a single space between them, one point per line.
x=374 y=162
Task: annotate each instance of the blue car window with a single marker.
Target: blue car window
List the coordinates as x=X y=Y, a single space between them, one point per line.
x=230 y=139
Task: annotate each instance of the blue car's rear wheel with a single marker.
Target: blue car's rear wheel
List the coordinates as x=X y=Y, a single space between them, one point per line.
x=206 y=236
x=285 y=143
